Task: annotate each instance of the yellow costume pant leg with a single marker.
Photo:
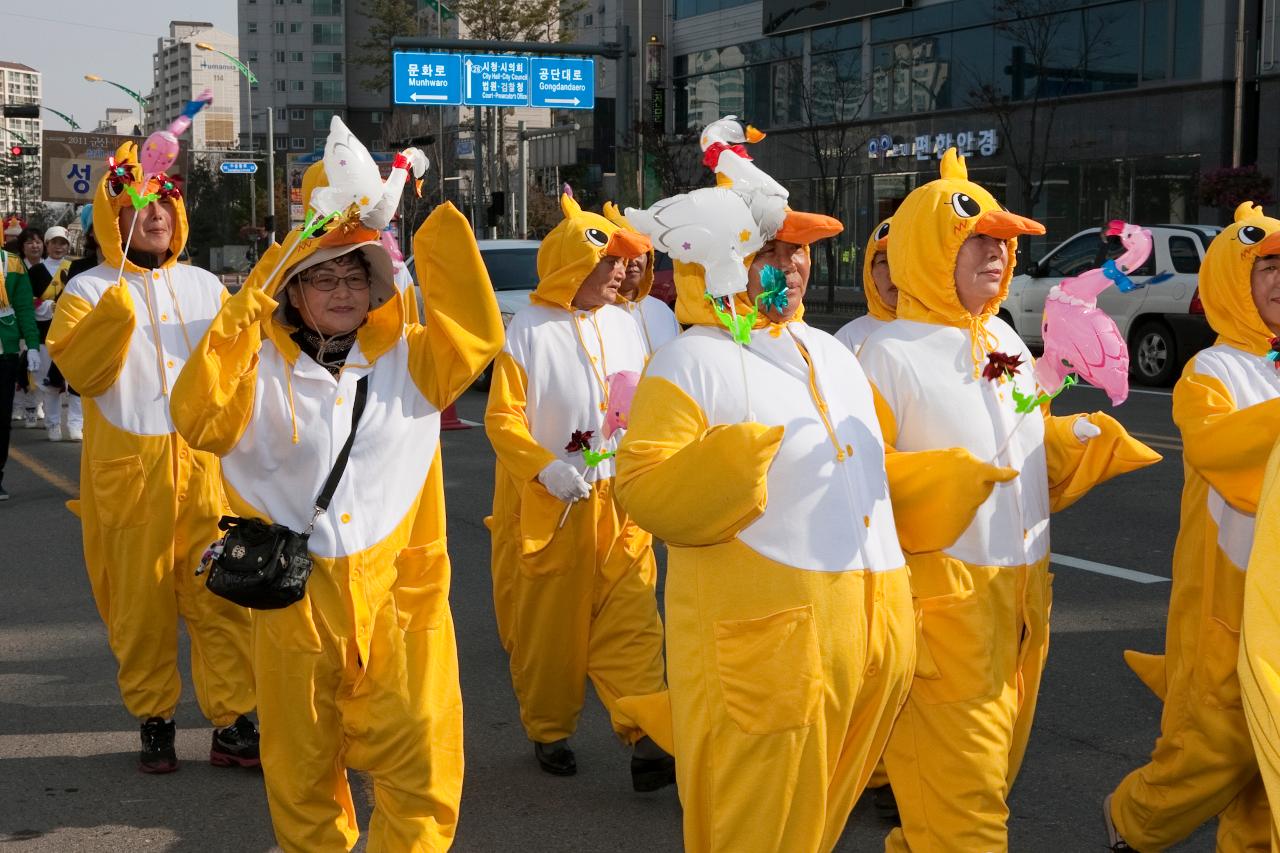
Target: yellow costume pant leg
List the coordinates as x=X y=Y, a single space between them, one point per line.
x=779 y=674
x=585 y=604
x=1204 y=759
x=504 y=528
x=958 y=743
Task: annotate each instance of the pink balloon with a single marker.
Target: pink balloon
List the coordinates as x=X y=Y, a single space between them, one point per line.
x=622 y=388
x=158 y=153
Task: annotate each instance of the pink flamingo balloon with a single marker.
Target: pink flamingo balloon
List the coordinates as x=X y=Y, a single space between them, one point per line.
x=622 y=388
x=161 y=148
x=1079 y=338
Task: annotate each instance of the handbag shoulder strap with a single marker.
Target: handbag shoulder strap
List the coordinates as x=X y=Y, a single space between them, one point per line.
x=340 y=464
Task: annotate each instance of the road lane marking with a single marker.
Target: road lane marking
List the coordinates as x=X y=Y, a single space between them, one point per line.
x=1132 y=390
x=45 y=473
x=1104 y=569
x=1163 y=442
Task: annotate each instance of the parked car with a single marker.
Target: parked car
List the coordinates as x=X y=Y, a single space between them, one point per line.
x=513 y=269
x=1164 y=322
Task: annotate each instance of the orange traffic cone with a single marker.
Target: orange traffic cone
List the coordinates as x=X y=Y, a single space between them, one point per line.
x=449 y=419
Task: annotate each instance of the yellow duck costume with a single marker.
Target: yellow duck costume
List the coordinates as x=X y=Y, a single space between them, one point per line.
x=149 y=504
x=362 y=673
x=573 y=585
x=790 y=634
x=1259 y=655
x=657 y=322
x=854 y=333
x=1227 y=405
x=984 y=599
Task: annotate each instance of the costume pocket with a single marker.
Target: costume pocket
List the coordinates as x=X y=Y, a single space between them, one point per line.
x=421 y=592
x=770 y=670
x=540 y=514
x=953 y=650
x=118 y=486
x=1216 y=678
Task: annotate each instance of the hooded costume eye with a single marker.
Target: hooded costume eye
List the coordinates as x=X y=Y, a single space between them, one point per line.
x=596 y=237
x=883 y=230
x=1251 y=234
x=964 y=206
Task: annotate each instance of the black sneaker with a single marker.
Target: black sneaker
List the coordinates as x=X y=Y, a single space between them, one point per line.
x=651 y=767
x=556 y=758
x=886 y=804
x=158 y=755
x=235 y=745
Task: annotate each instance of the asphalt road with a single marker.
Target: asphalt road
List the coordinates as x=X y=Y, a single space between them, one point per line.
x=67 y=748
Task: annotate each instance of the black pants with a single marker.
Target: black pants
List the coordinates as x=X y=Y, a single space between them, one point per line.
x=11 y=369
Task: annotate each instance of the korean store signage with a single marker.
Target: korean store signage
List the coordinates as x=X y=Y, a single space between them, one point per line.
x=926 y=146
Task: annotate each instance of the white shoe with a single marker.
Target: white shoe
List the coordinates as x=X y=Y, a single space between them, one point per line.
x=74 y=433
x=55 y=433
x=30 y=421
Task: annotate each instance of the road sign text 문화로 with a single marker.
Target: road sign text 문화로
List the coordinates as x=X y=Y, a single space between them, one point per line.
x=427 y=79
x=237 y=167
x=566 y=84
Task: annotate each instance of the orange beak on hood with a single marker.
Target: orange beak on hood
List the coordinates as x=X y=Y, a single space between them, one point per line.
x=627 y=245
x=754 y=135
x=1270 y=245
x=1004 y=225
x=803 y=228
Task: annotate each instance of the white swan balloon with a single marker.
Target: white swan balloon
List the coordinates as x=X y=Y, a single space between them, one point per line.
x=354 y=178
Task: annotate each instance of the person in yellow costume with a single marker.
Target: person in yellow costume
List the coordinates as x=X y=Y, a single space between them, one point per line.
x=150 y=504
x=877 y=284
x=271 y=390
x=790 y=634
x=946 y=373
x=1259 y=657
x=574 y=578
x=657 y=322
x=1227 y=405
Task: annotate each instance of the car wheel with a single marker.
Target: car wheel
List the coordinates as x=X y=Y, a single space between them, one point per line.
x=483 y=380
x=1153 y=355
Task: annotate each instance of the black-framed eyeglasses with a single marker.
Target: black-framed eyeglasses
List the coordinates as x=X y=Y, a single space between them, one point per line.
x=325 y=283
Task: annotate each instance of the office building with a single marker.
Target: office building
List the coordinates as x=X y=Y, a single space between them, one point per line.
x=20 y=185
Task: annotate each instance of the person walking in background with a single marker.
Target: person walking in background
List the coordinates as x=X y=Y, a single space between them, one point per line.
x=28 y=246
x=149 y=504
x=47 y=283
x=17 y=325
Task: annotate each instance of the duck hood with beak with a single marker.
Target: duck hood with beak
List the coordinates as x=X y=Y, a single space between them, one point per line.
x=573 y=249
x=1224 y=278
x=929 y=228
x=877 y=244
x=692 y=306
x=614 y=215
x=116 y=191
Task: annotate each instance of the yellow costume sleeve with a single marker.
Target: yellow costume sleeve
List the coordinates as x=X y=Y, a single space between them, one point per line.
x=462 y=330
x=89 y=342
x=1226 y=445
x=212 y=400
x=507 y=424
x=685 y=483
x=1075 y=467
x=935 y=493
x=1260 y=635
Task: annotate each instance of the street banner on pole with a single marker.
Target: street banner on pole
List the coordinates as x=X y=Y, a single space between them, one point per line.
x=72 y=163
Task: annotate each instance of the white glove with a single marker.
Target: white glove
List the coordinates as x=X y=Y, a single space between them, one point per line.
x=1084 y=430
x=33 y=361
x=564 y=481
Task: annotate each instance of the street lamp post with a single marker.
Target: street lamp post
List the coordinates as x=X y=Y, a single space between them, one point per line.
x=251 y=80
x=142 y=102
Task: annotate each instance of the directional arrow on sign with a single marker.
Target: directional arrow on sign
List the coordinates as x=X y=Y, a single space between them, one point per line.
x=468 y=64
x=418 y=97
x=573 y=101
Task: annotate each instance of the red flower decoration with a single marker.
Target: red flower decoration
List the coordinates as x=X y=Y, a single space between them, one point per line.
x=999 y=365
x=170 y=186
x=1274 y=355
x=580 y=440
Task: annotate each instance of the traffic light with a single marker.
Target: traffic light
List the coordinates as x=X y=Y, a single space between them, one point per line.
x=22 y=111
x=23 y=151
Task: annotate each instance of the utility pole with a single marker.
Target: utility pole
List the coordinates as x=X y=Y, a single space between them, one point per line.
x=271 y=174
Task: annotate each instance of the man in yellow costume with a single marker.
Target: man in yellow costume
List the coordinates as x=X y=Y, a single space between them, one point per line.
x=149 y=503
x=1227 y=405
x=878 y=286
x=574 y=578
x=948 y=372
x=1259 y=653
x=790 y=634
x=362 y=673
x=657 y=322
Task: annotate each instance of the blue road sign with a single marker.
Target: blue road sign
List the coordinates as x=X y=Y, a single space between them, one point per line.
x=566 y=84
x=238 y=167
x=427 y=79
x=495 y=81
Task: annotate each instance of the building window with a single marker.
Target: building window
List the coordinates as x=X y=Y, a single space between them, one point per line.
x=326 y=63
x=279 y=28
x=298 y=115
x=253 y=57
x=329 y=92
x=760 y=78
x=375 y=117
x=281 y=86
x=281 y=143
x=279 y=56
x=295 y=56
x=295 y=28
x=298 y=85
x=281 y=114
x=320 y=119
x=326 y=34
x=326 y=7
x=689 y=8
x=297 y=143
x=251 y=27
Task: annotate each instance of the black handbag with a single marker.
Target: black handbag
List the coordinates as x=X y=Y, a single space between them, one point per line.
x=265 y=566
